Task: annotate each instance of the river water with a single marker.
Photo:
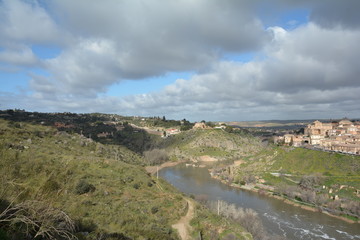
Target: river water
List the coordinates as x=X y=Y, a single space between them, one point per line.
x=278 y=218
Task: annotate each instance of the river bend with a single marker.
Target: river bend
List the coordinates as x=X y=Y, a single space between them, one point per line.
x=278 y=217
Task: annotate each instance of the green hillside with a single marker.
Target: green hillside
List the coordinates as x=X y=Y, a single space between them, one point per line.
x=65 y=186
x=305 y=161
x=215 y=143
x=318 y=178
x=55 y=168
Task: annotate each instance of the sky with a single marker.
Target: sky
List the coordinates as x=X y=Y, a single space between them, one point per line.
x=213 y=60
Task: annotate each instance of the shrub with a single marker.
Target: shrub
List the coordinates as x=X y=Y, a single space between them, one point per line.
x=156 y=156
x=50 y=186
x=310 y=182
x=249 y=179
x=84 y=187
x=84 y=225
x=248 y=218
x=308 y=196
x=154 y=210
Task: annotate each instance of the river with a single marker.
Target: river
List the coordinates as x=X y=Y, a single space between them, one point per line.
x=278 y=218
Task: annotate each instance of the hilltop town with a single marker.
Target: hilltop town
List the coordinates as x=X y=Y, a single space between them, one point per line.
x=338 y=136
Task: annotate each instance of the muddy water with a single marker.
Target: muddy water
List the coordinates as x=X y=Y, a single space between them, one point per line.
x=278 y=217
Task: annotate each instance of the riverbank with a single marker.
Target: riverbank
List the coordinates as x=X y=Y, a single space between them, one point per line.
x=305 y=206
x=153 y=169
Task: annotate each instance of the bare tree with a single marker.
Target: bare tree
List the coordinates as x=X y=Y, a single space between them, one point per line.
x=288 y=190
x=352 y=206
x=249 y=179
x=156 y=156
x=308 y=196
x=248 y=218
x=321 y=199
x=334 y=205
x=311 y=181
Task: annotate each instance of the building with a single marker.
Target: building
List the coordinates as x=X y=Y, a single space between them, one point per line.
x=342 y=136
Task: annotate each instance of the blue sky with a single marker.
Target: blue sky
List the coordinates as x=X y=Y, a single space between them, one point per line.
x=215 y=60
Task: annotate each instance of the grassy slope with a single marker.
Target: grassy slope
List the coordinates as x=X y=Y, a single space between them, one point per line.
x=40 y=163
x=51 y=165
x=336 y=168
x=214 y=143
x=304 y=161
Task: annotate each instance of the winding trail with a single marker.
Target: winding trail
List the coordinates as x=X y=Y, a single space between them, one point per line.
x=183 y=225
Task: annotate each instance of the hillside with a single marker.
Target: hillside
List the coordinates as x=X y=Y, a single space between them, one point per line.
x=213 y=144
x=66 y=186
x=42 y=164
x=326 y=180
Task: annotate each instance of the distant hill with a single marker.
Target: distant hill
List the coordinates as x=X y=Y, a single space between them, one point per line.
x=214 y=143
x=290 y=124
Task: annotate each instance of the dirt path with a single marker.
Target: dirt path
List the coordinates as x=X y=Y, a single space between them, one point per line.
x=183 y=226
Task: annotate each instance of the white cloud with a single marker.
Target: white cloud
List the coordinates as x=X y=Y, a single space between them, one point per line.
x=27 y=22
x=312 y=68
x=117 y=40
x=22 y=56
x=308 y=68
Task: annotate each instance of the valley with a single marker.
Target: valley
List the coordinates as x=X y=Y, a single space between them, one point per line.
x=105 y=173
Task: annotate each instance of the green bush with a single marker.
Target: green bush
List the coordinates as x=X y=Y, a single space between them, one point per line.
x=50 y=186
x=154 y=210
x=84 y=187
x=85 y=225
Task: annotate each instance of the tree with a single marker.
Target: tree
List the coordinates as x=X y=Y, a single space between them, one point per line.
x=248 y=218
x=310 y=181
x=156 y=156
x=210 y=124
x=229 y=129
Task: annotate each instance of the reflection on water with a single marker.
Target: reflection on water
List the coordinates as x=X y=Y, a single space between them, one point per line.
x=278 y=217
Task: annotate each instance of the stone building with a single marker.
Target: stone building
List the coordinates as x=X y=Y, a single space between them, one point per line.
x=342 y=136
x=317 y=131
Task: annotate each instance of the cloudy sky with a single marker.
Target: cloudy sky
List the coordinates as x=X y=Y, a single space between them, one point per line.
x=216 y=60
